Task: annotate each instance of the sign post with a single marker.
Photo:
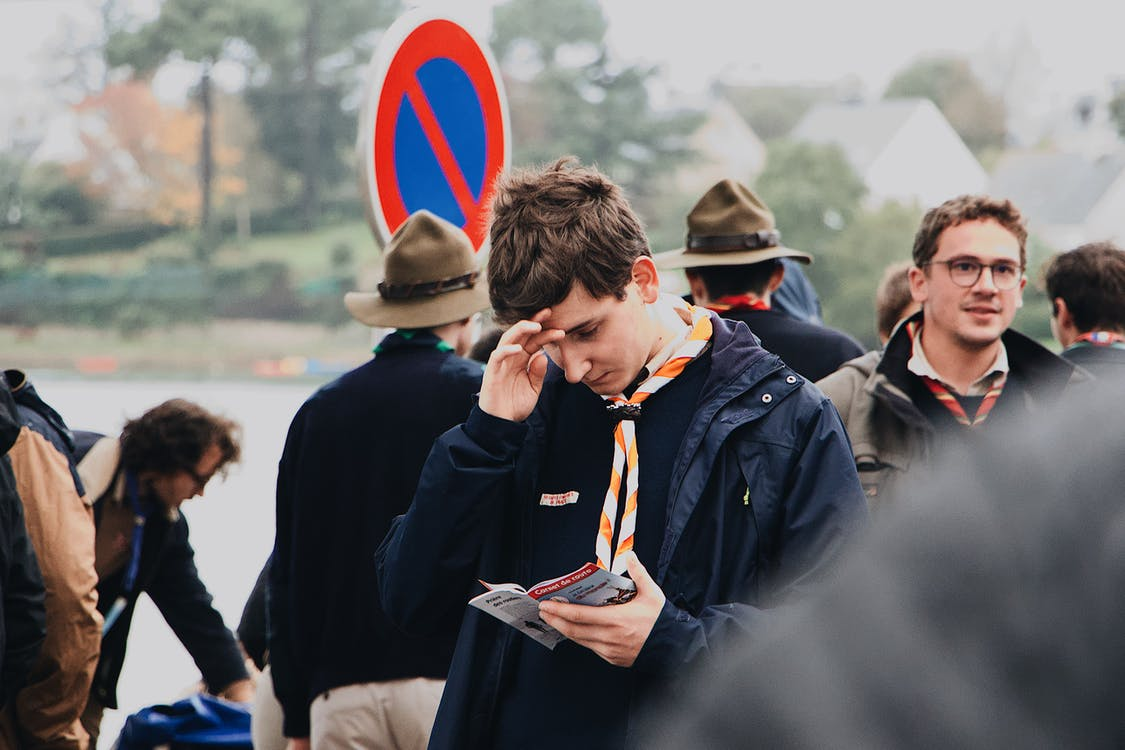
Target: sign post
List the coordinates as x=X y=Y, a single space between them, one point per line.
x=435 y=128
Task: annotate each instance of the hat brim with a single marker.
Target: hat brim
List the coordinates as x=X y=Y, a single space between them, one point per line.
x=684 y=258
x=424 y=312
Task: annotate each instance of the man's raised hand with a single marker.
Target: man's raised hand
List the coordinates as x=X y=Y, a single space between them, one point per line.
x=514 y=374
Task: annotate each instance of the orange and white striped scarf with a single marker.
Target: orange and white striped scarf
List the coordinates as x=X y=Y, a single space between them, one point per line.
x=625 y=458
x=950 y=402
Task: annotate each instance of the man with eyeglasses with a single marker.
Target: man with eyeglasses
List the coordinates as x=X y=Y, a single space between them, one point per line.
x=954 y=370
x=137 y=483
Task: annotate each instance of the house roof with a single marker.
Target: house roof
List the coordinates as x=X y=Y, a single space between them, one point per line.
x=1055 y=188
x=862 y=130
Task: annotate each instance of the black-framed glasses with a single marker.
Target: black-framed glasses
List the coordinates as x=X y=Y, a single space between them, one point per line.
x=965 y=272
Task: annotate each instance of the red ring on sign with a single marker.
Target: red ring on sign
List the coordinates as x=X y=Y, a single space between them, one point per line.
x=401 y=84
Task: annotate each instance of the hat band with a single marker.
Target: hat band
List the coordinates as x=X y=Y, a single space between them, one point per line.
x=427 y=288
x=750 y=241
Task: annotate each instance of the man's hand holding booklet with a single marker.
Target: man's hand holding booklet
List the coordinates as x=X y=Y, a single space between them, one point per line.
x=589 y=585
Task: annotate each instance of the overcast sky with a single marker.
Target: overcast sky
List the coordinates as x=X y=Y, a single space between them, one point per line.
x=1077 y=43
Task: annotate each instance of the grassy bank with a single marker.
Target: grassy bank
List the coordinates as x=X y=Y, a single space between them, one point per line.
x=223 y=348
x=219 y=347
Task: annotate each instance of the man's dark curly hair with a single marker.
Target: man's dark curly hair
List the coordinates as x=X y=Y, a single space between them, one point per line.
x=173 y=436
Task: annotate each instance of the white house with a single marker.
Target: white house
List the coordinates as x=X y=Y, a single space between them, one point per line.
x=726 y=146
x=1068 y=198
x=904 y=150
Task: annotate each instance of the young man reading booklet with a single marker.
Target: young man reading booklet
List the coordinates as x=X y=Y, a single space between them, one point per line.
x=620 y=426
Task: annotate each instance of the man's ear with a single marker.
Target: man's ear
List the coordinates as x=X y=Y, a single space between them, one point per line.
x=776 y=278
x=699 y=295
x=1062 y=313
x=646 y=278
x=918 y=284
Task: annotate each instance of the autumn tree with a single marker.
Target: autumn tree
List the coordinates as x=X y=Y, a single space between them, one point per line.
x=569 y=96
x=204 y=32
x=306 y=90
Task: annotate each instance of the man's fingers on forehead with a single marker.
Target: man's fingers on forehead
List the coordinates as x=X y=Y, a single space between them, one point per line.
x=504 y=351
x=520 y=330
x=547 y=336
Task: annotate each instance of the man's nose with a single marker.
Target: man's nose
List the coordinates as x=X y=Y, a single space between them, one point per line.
x=986 y=282
x=573 y=363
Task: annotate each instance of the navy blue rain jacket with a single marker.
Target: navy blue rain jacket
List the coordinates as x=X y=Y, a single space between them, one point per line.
x=764 y=497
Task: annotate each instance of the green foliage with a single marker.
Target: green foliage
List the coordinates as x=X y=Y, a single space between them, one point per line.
x=773 y=111
x=847 y=270
x=812 y=191
x=197 y=30
x=949 y=82
x=312 y=79
x=1117 y=111
x=277 y=104
x=567 y=96
x=50 y=198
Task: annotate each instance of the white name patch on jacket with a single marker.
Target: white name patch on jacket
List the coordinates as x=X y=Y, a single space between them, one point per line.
x=561 y=498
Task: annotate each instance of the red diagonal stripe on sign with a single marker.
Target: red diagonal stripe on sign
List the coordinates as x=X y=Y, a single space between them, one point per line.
x=442 y=151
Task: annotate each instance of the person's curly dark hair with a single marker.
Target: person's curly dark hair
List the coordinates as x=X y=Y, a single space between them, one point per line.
x=172 y=437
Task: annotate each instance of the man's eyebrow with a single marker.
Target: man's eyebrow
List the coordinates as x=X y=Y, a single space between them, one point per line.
x=578 y=327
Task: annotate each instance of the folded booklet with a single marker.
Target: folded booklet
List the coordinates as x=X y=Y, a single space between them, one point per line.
x=519 y=607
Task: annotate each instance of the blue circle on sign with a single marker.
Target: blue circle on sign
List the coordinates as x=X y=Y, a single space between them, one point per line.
x=421 y=181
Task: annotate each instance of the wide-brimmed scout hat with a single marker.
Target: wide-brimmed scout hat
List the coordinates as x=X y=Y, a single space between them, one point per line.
x=430 y=277
x=729 y=226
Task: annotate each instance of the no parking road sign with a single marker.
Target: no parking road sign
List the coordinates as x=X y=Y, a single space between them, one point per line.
x=435 y=128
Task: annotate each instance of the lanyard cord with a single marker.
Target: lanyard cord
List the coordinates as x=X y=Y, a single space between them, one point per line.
x=132 y=491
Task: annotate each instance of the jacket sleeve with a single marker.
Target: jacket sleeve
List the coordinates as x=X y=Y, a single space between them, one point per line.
x=24 y=612
x=822 y=510
x=428 y=560
x=186 y=605
x=61 y=528
x=290 y=680
x=840 y=387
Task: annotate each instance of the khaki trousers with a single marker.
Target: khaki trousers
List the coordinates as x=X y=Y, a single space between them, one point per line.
x=395 y=715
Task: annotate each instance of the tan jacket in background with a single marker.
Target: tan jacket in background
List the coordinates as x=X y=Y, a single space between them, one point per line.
x=61 y=527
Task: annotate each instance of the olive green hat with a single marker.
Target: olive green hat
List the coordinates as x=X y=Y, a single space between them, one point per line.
x=729 y=226
x=430 y=277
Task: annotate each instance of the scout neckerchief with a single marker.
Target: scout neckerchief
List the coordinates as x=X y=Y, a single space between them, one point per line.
x=132 y=491
x=1099 y=339
x=949 y=401
x=400 y=338
x=737 y=302
x=625 y=459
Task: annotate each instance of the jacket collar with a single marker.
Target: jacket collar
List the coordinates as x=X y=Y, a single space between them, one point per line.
x=740 y=367
x=1041 y=372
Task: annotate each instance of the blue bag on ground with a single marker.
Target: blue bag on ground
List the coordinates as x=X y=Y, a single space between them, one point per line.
x=201 y=721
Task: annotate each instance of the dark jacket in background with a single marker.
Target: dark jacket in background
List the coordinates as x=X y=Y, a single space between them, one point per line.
x=1103 y=362
x=797 y=296
x=23 y=616
x=762 y=501
x=814 y=351
x=351 y=463
x=253 y=626
x=167 y=573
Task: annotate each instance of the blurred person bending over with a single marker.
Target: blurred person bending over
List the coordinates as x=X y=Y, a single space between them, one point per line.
x=140 y=479
x=619 y=425
x=732 y=257
x=46 y=713
x=1087 y=291
x=893 y=300
x=954 y=371
x=23 y=614
x=345 y=676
